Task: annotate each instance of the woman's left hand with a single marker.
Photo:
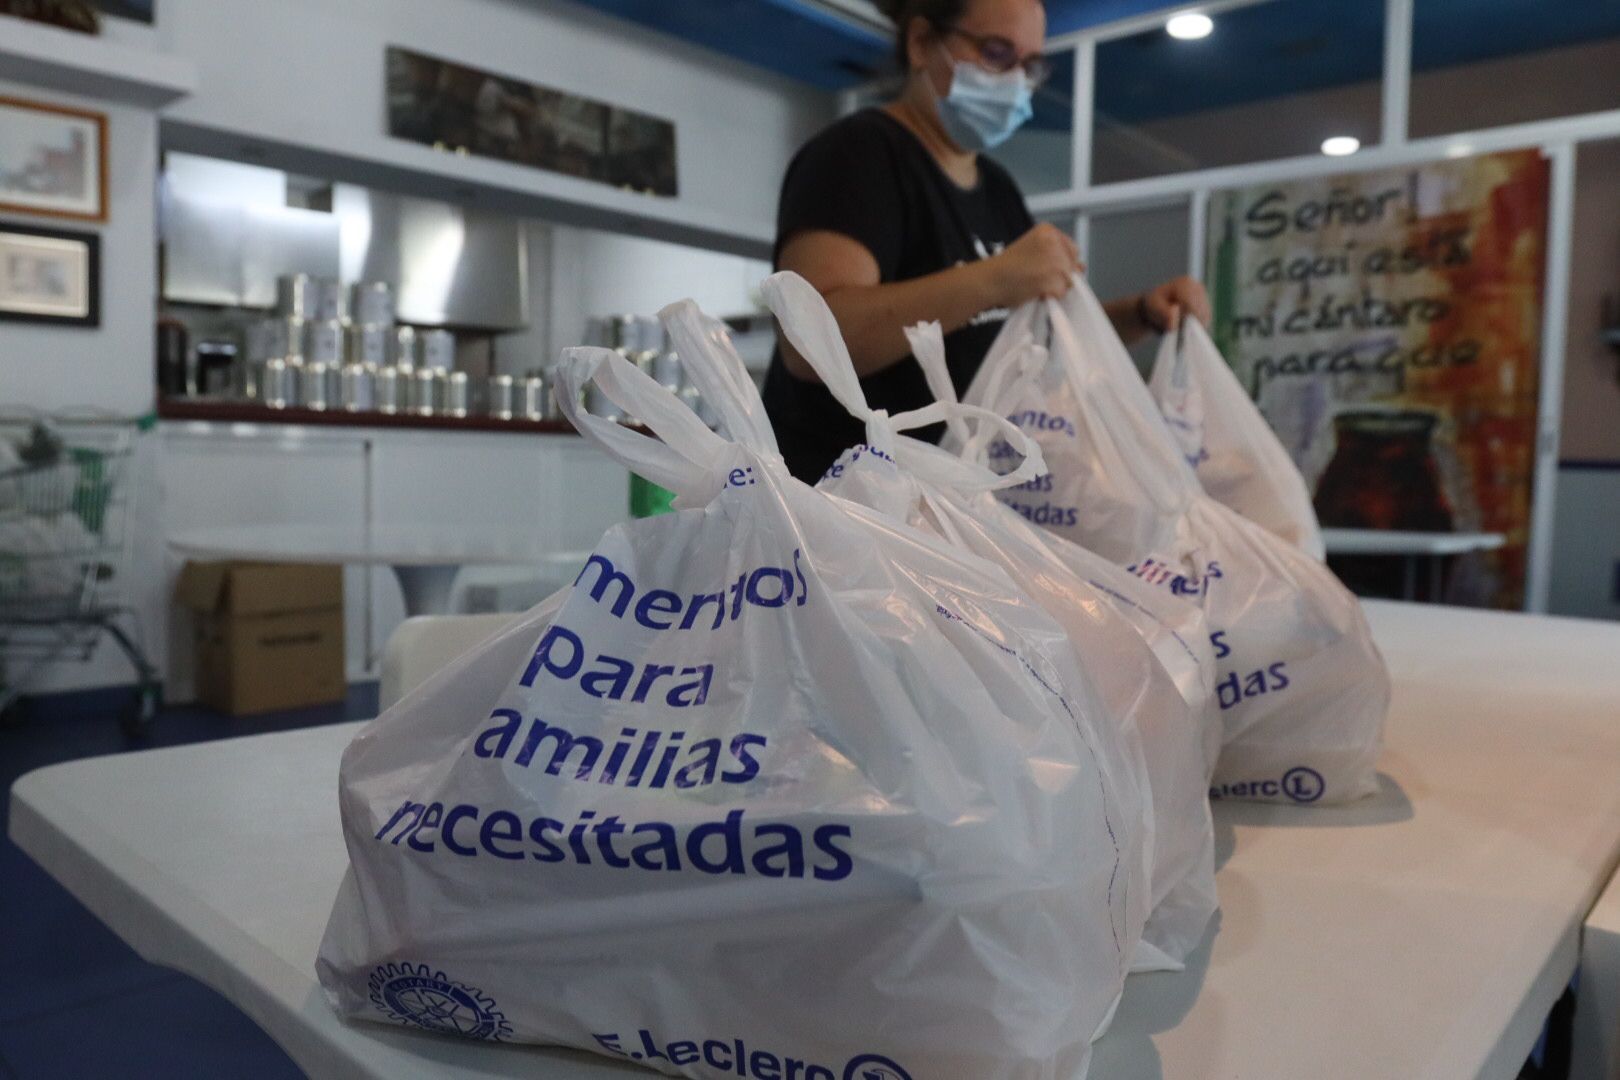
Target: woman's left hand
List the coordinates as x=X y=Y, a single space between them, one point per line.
x=1163 y=305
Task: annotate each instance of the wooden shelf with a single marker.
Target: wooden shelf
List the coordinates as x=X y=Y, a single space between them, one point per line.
x=228 y=412
x=89 y=66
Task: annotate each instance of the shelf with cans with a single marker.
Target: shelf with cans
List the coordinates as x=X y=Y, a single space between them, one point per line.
x=334 y=355
x=323 y=348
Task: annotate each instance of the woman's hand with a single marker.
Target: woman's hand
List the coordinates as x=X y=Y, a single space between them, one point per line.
x=1041 y=263
x=1161 y=307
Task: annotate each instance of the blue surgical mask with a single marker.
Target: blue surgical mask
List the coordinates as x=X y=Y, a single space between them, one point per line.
x=984 y=108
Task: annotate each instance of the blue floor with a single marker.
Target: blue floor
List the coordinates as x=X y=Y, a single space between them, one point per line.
x=75 y=1001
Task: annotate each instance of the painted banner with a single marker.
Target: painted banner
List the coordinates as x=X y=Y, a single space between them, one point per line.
x=1388 y=324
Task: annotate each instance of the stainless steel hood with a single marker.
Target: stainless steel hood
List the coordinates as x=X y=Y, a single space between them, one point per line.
x=449 y=265
x=230 y=254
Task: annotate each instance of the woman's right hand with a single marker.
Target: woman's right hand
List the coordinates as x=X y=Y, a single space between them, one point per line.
x=1041 y=263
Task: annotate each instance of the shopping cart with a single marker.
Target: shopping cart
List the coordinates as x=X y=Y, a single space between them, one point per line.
x=66 y=505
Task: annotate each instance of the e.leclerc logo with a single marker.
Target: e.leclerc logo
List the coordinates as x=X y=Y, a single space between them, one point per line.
x=874 y=1067
x=1303 y=785
x=421 y=997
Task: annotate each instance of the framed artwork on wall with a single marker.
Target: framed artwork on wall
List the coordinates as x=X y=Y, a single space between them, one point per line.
x=53 y=160
x=466 y=110
x=49 y=276
x=138 y=10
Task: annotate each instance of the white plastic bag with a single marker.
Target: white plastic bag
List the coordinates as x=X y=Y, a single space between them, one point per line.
x=1302 y=689
x=778 y=785
x=1234 y=452
x=1164 y=705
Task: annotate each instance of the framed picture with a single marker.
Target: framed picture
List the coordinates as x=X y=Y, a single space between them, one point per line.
x=53 y=160
x=466 y=110
x=138 y=10
x=50 y=276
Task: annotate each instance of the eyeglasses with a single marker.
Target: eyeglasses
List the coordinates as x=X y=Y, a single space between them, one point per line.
x=999 y=55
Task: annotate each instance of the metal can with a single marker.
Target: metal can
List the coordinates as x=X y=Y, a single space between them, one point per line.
x=392 y=390
x=552 y=406
x=328 y=300
x=371 y=303
x=535 y=396
x=597 y=403
x=667 y=371
x=278 y=383
x=315 y=385
x=427 y=391
x=323 y=342
x=366 y=343
x=402 y=348
x=503 y=397
x=438 y=349
x=359 y=387
x=456 y=393
x=295 y=296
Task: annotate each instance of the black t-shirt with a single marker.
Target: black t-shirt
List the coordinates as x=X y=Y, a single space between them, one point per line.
x=868 y=178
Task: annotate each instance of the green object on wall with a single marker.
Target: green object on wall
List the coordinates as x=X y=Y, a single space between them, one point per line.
x=647 y=499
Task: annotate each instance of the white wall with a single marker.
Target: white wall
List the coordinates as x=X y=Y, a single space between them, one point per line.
x=577 y=273
x=310 y=73
x=111 y=367
x=598 y=273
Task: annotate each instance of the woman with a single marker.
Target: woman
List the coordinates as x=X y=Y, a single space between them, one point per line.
x=896 y=216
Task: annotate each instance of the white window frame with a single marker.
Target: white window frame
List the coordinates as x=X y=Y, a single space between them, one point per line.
x=1558 y=138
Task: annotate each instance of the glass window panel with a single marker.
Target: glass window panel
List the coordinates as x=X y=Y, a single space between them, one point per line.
x=1485 y=63
x=1271 y=80
x=1041 y=153
x=1130 y=251
x=1067 y=220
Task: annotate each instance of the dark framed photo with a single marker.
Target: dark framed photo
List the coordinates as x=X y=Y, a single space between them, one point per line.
x=466 y=110
x=53 y=160
x=138 y=10
x=49 y=276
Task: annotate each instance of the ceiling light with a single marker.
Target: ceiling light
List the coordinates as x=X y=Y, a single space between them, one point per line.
x=1340 y=145
x=1189 y=26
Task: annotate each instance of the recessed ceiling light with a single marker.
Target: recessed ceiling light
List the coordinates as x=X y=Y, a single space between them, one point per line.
x=1189 y=26
x=1340 y=145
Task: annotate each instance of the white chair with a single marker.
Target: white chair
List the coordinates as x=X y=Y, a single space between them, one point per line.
x=1595 y=1053
x=426 y=643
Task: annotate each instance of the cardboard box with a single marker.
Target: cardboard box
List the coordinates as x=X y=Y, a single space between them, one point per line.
x=268 y=636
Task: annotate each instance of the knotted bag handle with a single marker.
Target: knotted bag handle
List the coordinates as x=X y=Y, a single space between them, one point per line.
x=691 y=460
x=711 y=362
x=809 y=325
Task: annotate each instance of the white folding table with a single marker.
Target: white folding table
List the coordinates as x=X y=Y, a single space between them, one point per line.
x=1411 y=546
x=424 y=560
x=1422 y=934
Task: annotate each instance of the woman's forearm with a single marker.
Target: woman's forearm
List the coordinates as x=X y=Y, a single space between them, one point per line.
x=1126 y=315
x=873 y=317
